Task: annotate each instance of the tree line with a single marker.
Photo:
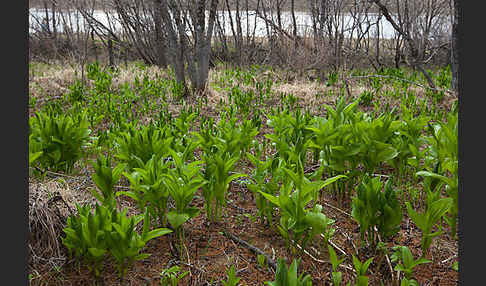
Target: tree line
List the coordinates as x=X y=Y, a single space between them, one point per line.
x=190 y=36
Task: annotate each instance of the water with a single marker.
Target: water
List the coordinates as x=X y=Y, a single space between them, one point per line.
x=303 y=20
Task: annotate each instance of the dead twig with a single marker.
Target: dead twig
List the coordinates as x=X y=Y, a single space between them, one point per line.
x=251 y=247
x=386 y=256
x=338 y=209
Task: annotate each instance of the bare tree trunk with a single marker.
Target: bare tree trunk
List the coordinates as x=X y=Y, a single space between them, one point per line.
x=159 y=36
x=54 y=28
x=413 y=49
x=378 y=40
x=294 y=23
x=111 y=59
x=206 y=48
x=196 y=56
x=455 y=47
x=279 y=15
x=235 y=34
x=239 y=31
x=47 y=25
x=175 y=48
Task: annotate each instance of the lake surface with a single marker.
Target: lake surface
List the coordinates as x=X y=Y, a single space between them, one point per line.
x=303 y=20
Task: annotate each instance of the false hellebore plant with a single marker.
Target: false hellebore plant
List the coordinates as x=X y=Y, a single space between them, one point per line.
x=92 y=235
x=288 y=276
x=297 y=223
x=105 y=179
x=263 y=169
x=372 y=207
x=182 y=182
x=406 y=263
x=147 y=188
x=426 y=221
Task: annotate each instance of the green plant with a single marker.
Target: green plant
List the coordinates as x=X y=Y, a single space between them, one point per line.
x=261 y=260
x=409 y=141
x=266 y=176
x=91 y=236
x=366 y=97
x=86 y=236
x=34 y=150
x=296 y=222
x=148 y=189
x=374 y=137
x=335 y=262
x=182 y=182
x=172 y=276
x=217 y=174
x=105 y=178
x=136 y=146
x=234 y=138
x=332 y=78
x=291 y=136
x=444 y=150
x=371 y=207
x=408 y=282
x=232 y=279
x=361 y=268
x=125 y=243
x=427 y=220
x=288 y=276
x=405 y=261
x=444 y=77
x=76 y=91
x=60 y=138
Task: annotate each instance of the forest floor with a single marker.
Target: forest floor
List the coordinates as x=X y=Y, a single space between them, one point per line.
x=208 y=249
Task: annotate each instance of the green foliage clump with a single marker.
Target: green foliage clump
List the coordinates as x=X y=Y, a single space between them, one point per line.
x=287 y=276
x=172 y=276
x=373 y=207
x=147 y=188
x=297 y=222
x=366 y=98
x=428 y=219
x=60 y=138
x=406 y=263
x=232 y=279
x=136 y=146
x=90 y=236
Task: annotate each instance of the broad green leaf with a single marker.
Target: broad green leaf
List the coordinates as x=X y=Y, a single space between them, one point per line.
x=177 y=219
x=156 y=233
x=419 y=219
x=446 y=180
x=128 y=194
x=96 y=252
x=234 y=176
x=273 y=199
x=141 y=256
x=331 y=180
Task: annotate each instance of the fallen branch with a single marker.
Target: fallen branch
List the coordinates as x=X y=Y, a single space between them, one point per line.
x=251 y=247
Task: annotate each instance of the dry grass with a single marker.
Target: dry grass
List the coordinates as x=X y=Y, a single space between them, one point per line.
x=51 y=201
